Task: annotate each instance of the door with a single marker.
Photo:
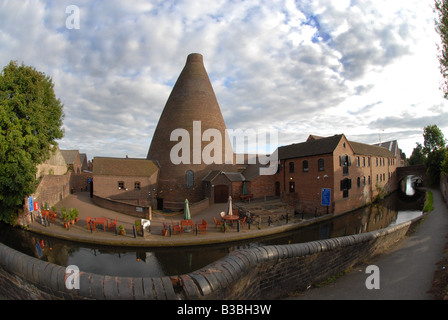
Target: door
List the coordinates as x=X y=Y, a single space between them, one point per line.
x=159 y=203
x=221 y=193
x=277 y=188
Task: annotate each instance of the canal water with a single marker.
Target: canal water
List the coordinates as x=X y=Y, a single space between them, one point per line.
x=134 y=262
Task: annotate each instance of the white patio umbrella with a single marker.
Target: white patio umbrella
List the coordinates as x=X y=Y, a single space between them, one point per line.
x=187 y=215
x=229 y=206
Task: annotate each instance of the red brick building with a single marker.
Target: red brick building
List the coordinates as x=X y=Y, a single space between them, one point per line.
x=352 y=173
x=131 y=181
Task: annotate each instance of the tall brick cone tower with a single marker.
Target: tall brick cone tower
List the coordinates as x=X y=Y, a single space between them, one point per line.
x=191 y=105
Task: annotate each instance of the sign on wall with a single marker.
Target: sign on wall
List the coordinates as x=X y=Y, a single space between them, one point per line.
x=326 y=197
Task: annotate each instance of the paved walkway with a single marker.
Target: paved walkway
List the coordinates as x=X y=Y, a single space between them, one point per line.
x=84 y=204
x=406 y=271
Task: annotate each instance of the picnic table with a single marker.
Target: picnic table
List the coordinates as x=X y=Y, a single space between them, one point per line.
x=102 y=221
x=189 y=224
x=231 y=218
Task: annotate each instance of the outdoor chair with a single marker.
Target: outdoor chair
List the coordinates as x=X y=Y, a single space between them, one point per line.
x=243 y=222
x=202 y=228
x=52 y=216
x=217 y=223
x=90 y=224
x=177 y=229
x=112 y=224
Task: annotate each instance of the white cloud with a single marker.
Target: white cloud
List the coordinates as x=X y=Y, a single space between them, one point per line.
x=323 y=67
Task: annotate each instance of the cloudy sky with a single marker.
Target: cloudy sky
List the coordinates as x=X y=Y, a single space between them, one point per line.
x=367 y=69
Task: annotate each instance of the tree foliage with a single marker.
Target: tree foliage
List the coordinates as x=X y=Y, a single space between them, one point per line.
x=434 y=150
x=417 y=156
x=442 y=29
x=433 y=139
x=30 y=123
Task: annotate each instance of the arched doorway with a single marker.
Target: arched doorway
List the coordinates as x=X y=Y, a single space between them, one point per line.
x=221 y=193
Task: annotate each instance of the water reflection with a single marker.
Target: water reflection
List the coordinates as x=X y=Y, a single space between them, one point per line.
x=156 y=262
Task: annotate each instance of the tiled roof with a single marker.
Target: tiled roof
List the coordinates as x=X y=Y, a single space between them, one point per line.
x=311 y=147
x=69 y=155
x=316 y=145
x=124 y=167
x=370 y=150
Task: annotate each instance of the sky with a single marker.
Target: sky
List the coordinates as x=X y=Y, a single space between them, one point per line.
x=367 y=69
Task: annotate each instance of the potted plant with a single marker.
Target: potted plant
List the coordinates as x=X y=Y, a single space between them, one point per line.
x=74 y=215
x=121 y=230
x=65 y=217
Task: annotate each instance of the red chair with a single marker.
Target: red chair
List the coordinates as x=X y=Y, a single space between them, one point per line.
x=217 y=223
x=202 y=228
x=112 y=224
x=90 y=224
x=52 y=215
x=243 y=222
x=177 y=229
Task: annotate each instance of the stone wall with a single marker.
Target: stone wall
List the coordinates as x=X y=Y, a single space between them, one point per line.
x=266 y=272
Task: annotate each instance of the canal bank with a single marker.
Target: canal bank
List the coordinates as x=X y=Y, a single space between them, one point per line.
x=214 y=235
x=406 y=271
x=87 y=209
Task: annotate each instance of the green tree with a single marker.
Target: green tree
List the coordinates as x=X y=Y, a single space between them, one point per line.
x=442 y=29
x=30 y=123
x=434 y=149
x=444 y=167
x=417 y=156
x=433 y=139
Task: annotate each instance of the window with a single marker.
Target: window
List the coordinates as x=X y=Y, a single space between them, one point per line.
x=291 y=167
x=136 y=185
x=346 y=185
x=189 y=177
x=120 y=185
x=345 y=162
x=321 y=164
x=358 y=182
x=305 y=166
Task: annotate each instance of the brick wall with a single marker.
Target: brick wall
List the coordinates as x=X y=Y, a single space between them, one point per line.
x=267 y=272
x=308 y=184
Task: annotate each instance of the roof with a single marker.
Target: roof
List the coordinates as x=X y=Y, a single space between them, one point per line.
x=370 y=150
x=232 y=176
x=211 y=175
x=124 y=167
x=311 y=147
x=69 y=155
x=316 y=145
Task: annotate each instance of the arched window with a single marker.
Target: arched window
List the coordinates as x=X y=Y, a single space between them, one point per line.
x=291 y=167
x=189 y=177
x=305 y=166
x=321 y=164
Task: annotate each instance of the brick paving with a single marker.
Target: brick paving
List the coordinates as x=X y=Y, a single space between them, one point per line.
x=84 y=204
